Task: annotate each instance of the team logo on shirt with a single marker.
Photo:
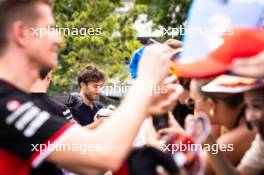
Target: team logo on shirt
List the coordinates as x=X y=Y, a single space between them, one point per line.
x=12 y=105
x=27 y=118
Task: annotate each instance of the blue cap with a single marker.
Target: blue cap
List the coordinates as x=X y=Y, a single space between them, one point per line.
x=133 y=66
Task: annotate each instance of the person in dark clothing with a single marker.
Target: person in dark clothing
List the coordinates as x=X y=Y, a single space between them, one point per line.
x=184 y=106
x=90 y=80
x=180 y=112
x=85 y=114
x=52 y=105
x=39 y=96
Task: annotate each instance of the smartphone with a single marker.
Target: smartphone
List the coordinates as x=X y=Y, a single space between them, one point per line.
x=161 y=121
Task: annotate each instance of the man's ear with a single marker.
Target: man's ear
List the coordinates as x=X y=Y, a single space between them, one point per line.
x=82 y=85
x=19 y=33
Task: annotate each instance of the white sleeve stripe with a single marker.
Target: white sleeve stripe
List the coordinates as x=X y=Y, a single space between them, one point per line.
x=66 y=112
x=27 y=117
x=43 y=155
x=36 y=124
x=11 y=118
x=69 y=117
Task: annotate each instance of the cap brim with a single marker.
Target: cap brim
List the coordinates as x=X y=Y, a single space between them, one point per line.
x=220 y=84
x=200 y=69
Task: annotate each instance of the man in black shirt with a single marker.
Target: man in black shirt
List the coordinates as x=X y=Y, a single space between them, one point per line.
x=85 y=114
x=40 y=97
x=90 y=80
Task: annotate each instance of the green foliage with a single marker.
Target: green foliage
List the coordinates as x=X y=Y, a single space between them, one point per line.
x=167 y=13
x=111 y=41
x=116 y=40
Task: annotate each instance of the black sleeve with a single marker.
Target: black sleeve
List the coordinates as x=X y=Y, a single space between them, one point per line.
x=25 y=128
x=66 y=113
x=61 y=110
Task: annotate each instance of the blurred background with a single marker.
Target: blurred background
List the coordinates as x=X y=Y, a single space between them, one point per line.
x=125 y=25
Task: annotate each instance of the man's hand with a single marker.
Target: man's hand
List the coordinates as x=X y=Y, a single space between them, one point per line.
x=167 y=98
x=154 y=64
x=252 y=67
x=173 y=43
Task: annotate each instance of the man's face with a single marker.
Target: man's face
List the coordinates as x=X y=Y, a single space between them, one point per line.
x=91 y=90
x=254 y=101
x=43 y=49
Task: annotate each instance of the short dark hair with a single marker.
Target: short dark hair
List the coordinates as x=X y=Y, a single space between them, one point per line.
x=91 y=73
x=231 y=100
x=12 y=10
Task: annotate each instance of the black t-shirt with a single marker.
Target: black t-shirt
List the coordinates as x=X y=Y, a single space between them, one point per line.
x=85 y=115
x=24 y=126
x=52 y=106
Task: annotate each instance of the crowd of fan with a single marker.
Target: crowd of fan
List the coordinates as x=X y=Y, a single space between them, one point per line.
x=133 y=137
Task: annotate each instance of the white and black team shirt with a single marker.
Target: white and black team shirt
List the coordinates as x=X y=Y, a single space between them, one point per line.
x=24 y=126
x=49 y=104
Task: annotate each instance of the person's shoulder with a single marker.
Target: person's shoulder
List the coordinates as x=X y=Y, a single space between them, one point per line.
x=11 y=95
x=79 y=111
x=40 y=98
x=80 y=107
x=61 y=108
x=57 y=104
x=7 y=89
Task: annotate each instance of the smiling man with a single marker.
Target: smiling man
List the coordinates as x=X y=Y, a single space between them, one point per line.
x=23 y=124
x=90 y=80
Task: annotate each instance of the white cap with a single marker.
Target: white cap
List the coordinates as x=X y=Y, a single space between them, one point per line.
x=232 y=84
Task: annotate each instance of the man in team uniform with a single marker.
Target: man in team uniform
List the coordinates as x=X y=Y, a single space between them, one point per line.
x=39 y=94
x=30 y=135
x=23 y=126
x=41 y=98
